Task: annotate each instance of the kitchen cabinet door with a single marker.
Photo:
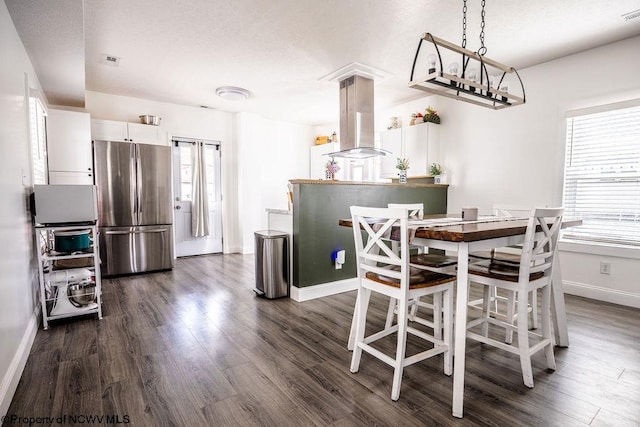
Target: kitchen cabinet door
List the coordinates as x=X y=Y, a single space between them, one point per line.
x=70 y=178
x=109 y=130
x=390 y=140
x=69 y=143
x=144 y=134
x=418 y=143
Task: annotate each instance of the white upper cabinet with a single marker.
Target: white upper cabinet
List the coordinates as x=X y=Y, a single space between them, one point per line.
x=419 y=143
x=145 y=134
x=69 y=147
x=390 y=140
x=110 y=130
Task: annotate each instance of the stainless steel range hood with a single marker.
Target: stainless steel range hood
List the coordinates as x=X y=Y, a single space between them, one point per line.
x=356 y=119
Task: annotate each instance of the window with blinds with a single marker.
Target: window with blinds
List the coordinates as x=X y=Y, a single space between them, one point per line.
x=602 y=176
x=37 y=117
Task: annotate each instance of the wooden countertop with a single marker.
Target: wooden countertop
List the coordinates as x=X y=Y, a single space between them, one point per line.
x=381 y=184
x=469 y=232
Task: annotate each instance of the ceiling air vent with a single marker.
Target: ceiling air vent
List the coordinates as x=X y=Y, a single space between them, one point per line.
x=111 y=60
x=631 y=15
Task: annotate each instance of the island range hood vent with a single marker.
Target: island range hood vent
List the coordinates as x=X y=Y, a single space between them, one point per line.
x=356 y=119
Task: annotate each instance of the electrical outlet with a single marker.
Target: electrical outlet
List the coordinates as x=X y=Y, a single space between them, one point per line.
x=338 y=258
x=605 y=268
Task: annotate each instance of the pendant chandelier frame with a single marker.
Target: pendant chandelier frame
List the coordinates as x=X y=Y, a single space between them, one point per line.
x=477 y=90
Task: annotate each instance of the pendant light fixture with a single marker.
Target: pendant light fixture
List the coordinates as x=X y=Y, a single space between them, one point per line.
x=475 y=79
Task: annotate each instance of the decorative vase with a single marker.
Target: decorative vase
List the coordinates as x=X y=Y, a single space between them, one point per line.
x=440 y=179
x=329 y=175
x=403 y=176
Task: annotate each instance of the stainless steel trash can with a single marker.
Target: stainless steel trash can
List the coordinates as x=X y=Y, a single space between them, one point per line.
x=272 y=263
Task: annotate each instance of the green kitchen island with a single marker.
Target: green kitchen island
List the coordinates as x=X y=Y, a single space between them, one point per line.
x=318 y=205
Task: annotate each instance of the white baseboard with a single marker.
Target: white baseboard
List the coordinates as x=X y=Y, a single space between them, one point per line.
x=603 y=294
x=232 y=250
x=325 y=289
x=12 y=376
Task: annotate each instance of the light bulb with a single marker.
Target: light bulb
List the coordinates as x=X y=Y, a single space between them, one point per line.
x=492 y=85
x=431 y=63
x=504 y=87
x=472 y=74
x=453 y=70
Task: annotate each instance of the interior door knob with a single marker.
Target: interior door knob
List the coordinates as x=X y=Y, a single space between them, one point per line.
x=178 y=207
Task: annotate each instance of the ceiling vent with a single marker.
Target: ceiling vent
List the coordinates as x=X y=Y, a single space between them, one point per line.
x=111 y=60
x=631 y=15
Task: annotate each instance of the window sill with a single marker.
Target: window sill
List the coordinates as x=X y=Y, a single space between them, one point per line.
x=605 y=249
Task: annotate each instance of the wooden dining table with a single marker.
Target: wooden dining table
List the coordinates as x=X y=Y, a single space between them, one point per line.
x=450 y=233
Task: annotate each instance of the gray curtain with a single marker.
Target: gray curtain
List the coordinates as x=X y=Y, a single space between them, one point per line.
x=200 y=200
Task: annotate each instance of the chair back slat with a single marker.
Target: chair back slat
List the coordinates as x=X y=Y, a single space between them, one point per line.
x=380 y=231
x=540 y=243
x=372 y=242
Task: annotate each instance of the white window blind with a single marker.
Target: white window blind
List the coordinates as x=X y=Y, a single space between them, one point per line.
x=602 y=176
x=37 y=116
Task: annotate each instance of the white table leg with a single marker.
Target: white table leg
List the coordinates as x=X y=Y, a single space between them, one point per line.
x=558 y=310
x=462 y=296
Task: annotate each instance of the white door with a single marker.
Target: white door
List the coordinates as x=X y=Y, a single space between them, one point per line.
x=186 y=244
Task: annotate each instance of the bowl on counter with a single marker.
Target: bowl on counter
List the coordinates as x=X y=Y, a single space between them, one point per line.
x=149 y=120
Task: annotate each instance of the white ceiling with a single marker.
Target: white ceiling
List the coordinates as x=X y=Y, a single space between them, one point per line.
x=180 y=51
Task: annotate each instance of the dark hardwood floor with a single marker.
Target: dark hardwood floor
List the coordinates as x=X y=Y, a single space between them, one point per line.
x=195 y=347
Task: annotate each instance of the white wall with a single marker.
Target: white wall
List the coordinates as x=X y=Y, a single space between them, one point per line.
x=18 y=284
x=270 y=153
x=515 y=156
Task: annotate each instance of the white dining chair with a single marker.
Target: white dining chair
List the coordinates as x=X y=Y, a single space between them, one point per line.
x=532 y=272
x=422 y=260
x=510 y=255
x=384 y=271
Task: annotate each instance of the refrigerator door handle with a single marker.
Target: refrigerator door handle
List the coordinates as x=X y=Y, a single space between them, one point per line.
x=133 y=180
x=138 y=185
x=160 y=230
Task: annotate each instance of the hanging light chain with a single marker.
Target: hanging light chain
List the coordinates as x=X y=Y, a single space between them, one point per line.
x=483 y=49
x=464 y=24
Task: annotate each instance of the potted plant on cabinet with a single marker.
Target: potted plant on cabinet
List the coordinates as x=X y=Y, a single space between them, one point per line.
x=431 y=116
x=437 y=172
x=402 y=166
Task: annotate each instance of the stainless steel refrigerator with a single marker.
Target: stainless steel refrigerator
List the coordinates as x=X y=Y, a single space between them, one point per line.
x=135 y=214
